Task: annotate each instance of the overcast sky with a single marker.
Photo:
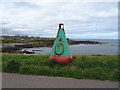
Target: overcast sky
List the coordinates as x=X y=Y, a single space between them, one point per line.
x=82 y=20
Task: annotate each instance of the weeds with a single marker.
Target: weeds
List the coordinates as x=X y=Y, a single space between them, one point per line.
x=101 y=67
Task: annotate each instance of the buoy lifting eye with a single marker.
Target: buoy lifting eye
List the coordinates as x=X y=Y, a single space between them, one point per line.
x=61 y=26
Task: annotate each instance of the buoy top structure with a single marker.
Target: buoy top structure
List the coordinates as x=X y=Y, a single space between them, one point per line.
x=60 y=51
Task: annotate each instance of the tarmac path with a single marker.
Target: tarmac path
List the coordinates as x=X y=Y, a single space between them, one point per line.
x=30 y=81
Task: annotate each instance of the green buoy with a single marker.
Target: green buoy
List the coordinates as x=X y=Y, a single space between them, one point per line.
x=60 y=51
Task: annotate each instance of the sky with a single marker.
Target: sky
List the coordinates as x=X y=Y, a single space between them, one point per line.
x=82 y=20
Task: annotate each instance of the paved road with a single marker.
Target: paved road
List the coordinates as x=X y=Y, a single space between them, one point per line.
x=29 y=81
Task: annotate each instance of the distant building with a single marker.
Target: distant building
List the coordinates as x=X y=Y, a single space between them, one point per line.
x=18 y=37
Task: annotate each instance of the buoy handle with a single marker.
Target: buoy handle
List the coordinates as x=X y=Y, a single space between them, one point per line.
x=61 y=26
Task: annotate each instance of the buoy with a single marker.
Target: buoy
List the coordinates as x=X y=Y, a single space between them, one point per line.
x=60 y=51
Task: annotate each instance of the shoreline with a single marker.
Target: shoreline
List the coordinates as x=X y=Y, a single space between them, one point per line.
x=16 y=47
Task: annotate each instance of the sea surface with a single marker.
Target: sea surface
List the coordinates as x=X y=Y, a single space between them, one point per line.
x=110 y=47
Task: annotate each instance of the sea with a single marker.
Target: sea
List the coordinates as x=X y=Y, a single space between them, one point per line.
x=110 y=46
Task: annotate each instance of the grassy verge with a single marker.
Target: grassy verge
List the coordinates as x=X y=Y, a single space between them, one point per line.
x=101 y=67
x=71 y=42
x=25 y=41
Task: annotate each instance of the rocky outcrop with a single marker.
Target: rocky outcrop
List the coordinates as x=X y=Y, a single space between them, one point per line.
x=16 y=47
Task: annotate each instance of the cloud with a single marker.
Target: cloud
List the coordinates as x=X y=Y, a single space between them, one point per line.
x=42 y=18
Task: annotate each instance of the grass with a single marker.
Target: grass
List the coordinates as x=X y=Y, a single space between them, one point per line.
x=101 y=67
x=26 y=41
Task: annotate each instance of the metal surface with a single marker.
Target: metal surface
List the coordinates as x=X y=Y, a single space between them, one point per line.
x=60 y=51
x=61 y=47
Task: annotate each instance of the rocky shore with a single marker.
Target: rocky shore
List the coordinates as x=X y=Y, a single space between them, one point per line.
x=16 y=47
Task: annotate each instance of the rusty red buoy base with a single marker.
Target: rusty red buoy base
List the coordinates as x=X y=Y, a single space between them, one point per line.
x=61 y=60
